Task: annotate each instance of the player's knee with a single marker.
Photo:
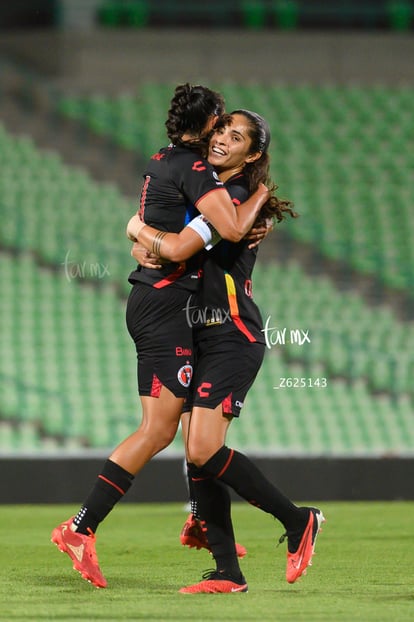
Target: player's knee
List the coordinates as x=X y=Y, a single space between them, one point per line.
x=159 y=436
x=199 y=453
x=166 y=438
x=165 y=435
x=199 y=461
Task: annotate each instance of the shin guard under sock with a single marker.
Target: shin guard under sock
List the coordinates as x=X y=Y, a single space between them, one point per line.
x=241 y=474
x=111 y=485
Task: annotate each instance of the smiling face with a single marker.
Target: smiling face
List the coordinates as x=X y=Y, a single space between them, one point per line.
x=230 y=147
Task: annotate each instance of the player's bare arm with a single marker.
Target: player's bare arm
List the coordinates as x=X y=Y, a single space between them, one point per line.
x=232 y=223
x=173 y=246
x=180 y=246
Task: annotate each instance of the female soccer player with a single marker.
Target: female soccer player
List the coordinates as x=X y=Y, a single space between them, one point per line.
x=176 y=177
x=229 y=351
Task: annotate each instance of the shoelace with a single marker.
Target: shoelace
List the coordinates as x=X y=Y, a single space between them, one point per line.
x=282 y=539
x=293 y=542
x=210 y=574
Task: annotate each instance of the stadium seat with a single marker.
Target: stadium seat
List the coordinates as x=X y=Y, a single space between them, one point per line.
x=79 y=387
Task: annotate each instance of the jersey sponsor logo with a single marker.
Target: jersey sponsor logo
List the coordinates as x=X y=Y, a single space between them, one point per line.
x=158 y=156
x=184 y=375
x=199 y=166
x=201 y=390
x=179 y=351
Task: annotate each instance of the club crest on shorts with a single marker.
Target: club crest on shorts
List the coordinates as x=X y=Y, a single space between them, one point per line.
x=184 y=375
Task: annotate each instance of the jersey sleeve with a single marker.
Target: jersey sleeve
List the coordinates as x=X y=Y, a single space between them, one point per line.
x=238 y=192
x=194 y=176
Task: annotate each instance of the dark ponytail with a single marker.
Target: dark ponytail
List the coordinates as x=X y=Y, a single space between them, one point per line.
x=190 y=109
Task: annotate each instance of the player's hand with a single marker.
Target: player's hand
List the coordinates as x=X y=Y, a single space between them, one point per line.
x=145 y=258
x=259 y=232
x=134 y=226
x=263 y=192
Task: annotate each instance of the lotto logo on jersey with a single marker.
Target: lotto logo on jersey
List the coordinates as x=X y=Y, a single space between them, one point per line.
x=184 y=375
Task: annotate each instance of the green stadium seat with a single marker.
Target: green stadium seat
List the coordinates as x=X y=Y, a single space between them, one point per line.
x=87 y=397
x=315 y=131
x=254 y=14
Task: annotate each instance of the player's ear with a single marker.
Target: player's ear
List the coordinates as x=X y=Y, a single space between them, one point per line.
x=253 y=157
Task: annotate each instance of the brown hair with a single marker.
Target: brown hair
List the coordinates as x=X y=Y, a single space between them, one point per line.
x=259 y=171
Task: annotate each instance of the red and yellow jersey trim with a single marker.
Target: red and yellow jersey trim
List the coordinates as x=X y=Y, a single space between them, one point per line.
x=234 y=308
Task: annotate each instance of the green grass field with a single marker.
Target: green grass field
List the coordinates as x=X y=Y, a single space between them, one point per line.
x=362 y=570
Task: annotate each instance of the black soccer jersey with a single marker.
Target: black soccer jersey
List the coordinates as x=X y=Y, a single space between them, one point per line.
x=175 y=180
x=225 y=302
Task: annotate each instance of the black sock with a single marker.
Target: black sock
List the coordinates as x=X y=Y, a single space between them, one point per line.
x=236 y=470
x=213 y=502
x=192 y=494
x=111 y=485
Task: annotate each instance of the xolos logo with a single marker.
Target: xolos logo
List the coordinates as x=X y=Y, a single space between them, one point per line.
x=184 y=375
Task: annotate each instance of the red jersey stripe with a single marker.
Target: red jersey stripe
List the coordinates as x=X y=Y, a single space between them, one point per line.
x=171 y=277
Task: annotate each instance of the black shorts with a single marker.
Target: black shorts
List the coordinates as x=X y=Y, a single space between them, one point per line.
x=225 y=369
x=157 y=322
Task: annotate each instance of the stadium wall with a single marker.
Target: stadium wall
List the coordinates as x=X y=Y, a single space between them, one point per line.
x=109 y=60
x=68 y=480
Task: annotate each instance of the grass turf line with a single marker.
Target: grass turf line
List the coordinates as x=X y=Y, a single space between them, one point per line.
x=362 y=569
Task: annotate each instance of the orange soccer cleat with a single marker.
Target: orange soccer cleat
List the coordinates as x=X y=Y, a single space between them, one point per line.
x=301 y=545
x=81 y=550
x=215 y=582
x=192 y=535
